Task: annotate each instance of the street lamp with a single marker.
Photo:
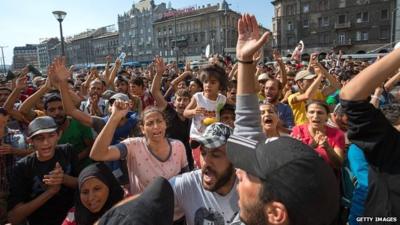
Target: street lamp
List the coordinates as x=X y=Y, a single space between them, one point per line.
x=392 y=27
x=60 y=15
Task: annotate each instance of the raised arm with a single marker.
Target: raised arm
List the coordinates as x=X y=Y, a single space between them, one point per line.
x=101 y=150
x=392 y=82
x=58 y=74
x=333 y=83
x=361 y=86
x=114 y=71
x=310 y=92
x=282 y=70
x=9 y=103
x=176 y=81
x=248 y=116
x=156 y=85
x=28 y=105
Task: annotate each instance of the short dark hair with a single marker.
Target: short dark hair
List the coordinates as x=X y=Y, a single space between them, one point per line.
x=392 y=112
x=198 y=82
x=320 y=103
x=280 y=86
x=232 y=84
x=182 y=93
x=227 y=108
x=216 y=71
x=3 y=111
x=51 y=97
x=137 y=81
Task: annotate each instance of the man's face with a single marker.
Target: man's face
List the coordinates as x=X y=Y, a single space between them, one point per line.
x=228 y=118
x=252 y=209
x=231 y=94
x=136 y=89
x=55 y=110
x=180 y=103
x=216 y=169
x=3 y=96
x=121 y=86
x=96 y=88
x=271 y=91
x=44 y=145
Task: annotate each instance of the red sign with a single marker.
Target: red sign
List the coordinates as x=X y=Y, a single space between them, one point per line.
x=180 y=12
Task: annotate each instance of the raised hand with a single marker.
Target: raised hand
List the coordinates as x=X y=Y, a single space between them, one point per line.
x=159 y=65
x=277 y=56
x=249 y=40
x=54 y=179
x=59 y=69
x=21 y=82
x=119 y=109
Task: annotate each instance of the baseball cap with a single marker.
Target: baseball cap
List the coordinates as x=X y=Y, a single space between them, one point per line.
x=299 y=177
x=119 y=96
x=263 y=76
x=214 y=136
x=304 y=75
x=40 y=125
x=154 y=206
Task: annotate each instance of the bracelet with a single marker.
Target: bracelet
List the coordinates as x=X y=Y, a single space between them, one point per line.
x=244 y=62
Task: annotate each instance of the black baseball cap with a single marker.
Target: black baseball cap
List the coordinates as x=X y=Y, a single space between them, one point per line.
x=40 y=125
x=301 y=179
x=155 y=206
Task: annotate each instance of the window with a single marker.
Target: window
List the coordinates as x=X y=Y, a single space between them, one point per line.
x=306 y=7
x=384 y=14
x=364 y=36
x=323 y=21
x=305 y=23
x=384 y=33
x=290 y=26
x=358 y=36
x=362 y=17
x=290 y=10
x=342 y=19
x=342 y=3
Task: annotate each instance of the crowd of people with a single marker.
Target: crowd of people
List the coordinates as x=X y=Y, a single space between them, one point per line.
x=232 y=142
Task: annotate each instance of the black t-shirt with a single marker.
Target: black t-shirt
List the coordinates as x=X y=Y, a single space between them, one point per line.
x=180 y=130
x=380 y=141
x=27 y=184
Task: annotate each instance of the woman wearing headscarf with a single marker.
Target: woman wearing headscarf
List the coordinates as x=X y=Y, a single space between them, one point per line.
x=98 y=192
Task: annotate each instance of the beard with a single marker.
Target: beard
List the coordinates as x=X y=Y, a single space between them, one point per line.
x=60 y=120
x=253 y=214
x=221 y=179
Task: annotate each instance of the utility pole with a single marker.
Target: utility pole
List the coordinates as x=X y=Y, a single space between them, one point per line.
x=2 y=56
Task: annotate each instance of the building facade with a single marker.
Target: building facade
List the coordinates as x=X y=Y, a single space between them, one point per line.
x=136 y=30
x=25 y=55
x=80 y=49
x=105 y=45
x=354 y=26
x=44 y=58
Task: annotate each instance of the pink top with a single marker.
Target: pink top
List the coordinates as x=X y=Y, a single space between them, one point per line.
x=144 y=166
x=335 y=139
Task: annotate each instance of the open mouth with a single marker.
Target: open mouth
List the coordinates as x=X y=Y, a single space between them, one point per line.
x=208 y=176
x=267 y=120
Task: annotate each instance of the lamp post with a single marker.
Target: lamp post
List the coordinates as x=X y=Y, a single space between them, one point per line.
x=392 y=27
x=60 y=15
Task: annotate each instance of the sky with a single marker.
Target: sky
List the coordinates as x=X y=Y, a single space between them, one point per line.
x=27 y=22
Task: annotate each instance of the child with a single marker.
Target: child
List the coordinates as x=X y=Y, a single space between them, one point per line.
x=204 y=106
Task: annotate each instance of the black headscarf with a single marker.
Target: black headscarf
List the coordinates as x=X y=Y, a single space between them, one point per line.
x=100 y=171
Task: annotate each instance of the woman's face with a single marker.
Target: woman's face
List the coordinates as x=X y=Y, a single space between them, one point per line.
x=94 y=194
x=154 y=126
x=269 y=117
x=317 y=116
x=194 y=87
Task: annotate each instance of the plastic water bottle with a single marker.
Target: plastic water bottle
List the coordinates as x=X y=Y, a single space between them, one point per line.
x=122 y=57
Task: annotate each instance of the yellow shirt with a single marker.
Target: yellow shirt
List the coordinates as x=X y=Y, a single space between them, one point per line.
x=299 y=108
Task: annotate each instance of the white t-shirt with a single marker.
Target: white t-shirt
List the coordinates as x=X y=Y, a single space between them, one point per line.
x=212 y=110
x=201 y=206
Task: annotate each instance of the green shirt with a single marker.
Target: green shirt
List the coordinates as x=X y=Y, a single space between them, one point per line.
x=75 y=134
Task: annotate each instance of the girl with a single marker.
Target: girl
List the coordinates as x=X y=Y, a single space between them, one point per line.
x=204 y=106
x=147 y=157
x=98 y=191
